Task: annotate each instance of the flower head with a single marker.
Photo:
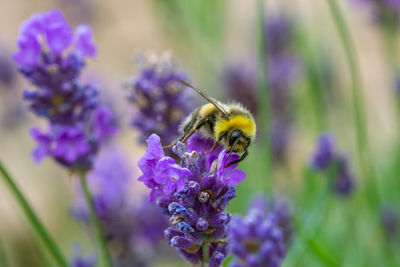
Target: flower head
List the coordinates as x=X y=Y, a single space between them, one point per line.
x=160 y=100
x=385 y=13
x=258 y=239
x=325 y=158
x=78 y=260
x=240 y=82
x=51 y=57
x=196 y=205
x=390 y=221
x=324 y=153
x=7 y=70
x=284 y=65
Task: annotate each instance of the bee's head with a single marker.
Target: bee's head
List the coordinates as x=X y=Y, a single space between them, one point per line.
x=238 y=141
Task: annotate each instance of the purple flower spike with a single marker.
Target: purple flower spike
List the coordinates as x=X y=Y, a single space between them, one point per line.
x=284 y=71
x=161 y=102
x=78 y=124
x=385 y=13
x=258 y=239
x=335 y=164
x=79 y=260
x=193 y=194
x=324 y=153
x=390 y=222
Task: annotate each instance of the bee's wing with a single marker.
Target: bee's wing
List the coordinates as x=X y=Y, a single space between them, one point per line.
x=210 y=99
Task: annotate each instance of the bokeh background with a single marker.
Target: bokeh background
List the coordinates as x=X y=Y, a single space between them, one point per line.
x=209 y=38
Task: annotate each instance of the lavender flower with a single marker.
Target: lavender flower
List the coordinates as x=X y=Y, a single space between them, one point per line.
x=125 y=221
x=384 y=12
x=324 y=153
x=13 y=112
x=51 y=57
x=240 y=82
x=283 y=71
x=78 y=260
x=326 y=159
x=260 y=238
x=7 y=70
x=160 y=100
x=390 y=221
x=196 y=210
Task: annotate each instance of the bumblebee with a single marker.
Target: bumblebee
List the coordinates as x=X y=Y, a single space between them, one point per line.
x=231 y=125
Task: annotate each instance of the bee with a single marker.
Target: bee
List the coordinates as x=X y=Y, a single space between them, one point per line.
x=231 y=125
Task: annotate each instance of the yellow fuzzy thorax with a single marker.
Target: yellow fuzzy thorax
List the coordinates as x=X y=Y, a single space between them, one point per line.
x=243 y=123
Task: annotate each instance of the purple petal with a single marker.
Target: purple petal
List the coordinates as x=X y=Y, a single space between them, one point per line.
x=234 y=177
x=84 y=41
x=32 y=26
x=43 y=148
x=154 y=148
x=58 y=32
x=29 y=50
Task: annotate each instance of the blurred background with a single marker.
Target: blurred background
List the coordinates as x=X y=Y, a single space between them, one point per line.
x=217 y=43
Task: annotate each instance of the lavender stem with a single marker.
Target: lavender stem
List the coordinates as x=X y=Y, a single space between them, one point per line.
x=205 y=259
x=359 y=109
x=33 y=219
x=95 y=221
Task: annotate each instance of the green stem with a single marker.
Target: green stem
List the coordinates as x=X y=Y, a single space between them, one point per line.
x=263 y=98
x=95 y=222
x=205 y=255
x=41 y=231
x=359 y=110
x=3 y=254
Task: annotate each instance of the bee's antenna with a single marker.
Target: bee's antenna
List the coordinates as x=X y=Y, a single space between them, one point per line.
x=208 y=98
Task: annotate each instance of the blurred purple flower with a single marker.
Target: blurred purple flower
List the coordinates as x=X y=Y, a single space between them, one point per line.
x=7 y=70
x=78 y=260
x=260 y=238
x=385 y=13
x=324 y=153
x=325 y=158
x=240 y=82
x=51 y=57
x=390 y=221
x=126 y=221
x=196 y=210
x=284 y=65
x=160 y=100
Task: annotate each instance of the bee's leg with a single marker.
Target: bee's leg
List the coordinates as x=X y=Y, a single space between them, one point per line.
x=174 y=142
x=238 y=160
x=195 y=128
x=217 y=142
x=186 y=131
